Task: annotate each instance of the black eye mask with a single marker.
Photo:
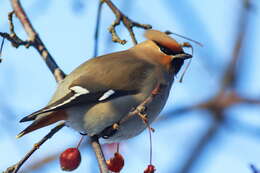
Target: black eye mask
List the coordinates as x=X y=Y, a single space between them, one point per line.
x=166 y=50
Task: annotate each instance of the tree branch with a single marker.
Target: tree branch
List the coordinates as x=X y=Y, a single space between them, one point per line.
x=12 y=37
x=99 y=154
x=16 y=167
x=97 y=28
x=1 y=48
x=128 y=23
x=230 y=76
x=140 y=111
x=36 y=42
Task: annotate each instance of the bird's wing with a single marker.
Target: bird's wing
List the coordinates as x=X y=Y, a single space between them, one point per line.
x=99 y=80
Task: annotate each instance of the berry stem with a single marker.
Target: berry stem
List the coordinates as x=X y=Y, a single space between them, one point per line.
x=117 y=147
x=80 y=141
x=150 y=139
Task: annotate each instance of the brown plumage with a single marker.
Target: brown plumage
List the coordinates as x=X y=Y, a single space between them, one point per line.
x=164 y=40
x=102 y=91
x=52 y=117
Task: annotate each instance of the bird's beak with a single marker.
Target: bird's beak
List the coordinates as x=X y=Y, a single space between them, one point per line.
x=182 y=56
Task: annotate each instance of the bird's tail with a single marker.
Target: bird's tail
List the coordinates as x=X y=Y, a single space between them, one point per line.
x=45 y=120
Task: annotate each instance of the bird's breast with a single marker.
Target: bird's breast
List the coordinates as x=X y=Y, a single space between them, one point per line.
x=134 y=125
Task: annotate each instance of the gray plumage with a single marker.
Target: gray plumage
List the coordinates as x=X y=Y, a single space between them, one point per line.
x=127 y=77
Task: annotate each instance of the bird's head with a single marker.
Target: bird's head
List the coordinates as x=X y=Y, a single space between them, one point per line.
x=163 y=49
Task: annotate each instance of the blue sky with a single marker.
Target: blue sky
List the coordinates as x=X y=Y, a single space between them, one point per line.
x=26 y=84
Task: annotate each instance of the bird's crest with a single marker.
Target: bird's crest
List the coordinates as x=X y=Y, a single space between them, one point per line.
x=164 y=40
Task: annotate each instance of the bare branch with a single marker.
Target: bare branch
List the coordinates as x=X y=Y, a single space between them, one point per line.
x=38 y=164
x=35 y=41
x=1 y=48
x=16 y=167
x=97 y=28
x=230 y=76
x=15 y=40
x=12 y=37
x=129 y=24
x=99 y=154
x=141 y=108
x=139 y=111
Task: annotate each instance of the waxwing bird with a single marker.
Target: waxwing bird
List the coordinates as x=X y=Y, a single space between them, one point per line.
x=104 y=89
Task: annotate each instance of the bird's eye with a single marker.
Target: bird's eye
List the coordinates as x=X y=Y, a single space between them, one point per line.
x=166 y=50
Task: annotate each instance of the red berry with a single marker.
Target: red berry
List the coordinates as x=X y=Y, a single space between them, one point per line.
x=149 y=169
x=116 y=163
x=70 y=159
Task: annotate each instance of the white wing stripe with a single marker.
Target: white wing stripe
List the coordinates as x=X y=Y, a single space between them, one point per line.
x=78 y=91
x=106 y=95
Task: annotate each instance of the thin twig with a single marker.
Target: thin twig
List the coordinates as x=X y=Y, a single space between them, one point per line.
x=97 y=28
x=129 y=24
x=138 y=111
x=16 y=40
x=35 y=166
x=141 y=108
x=99 y=154
x=230 y=76
x=1 y=48
x=12 y=37
x=16 y=167
x=36 y=42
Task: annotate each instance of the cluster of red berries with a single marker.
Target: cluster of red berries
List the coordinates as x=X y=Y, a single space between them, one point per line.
x=71 y=158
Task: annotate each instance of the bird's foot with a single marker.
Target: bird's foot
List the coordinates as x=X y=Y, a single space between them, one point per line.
x=109 y=131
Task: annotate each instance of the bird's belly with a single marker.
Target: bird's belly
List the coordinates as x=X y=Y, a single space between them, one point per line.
x=135 y=125
x=76 y=118
x=94 y=119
